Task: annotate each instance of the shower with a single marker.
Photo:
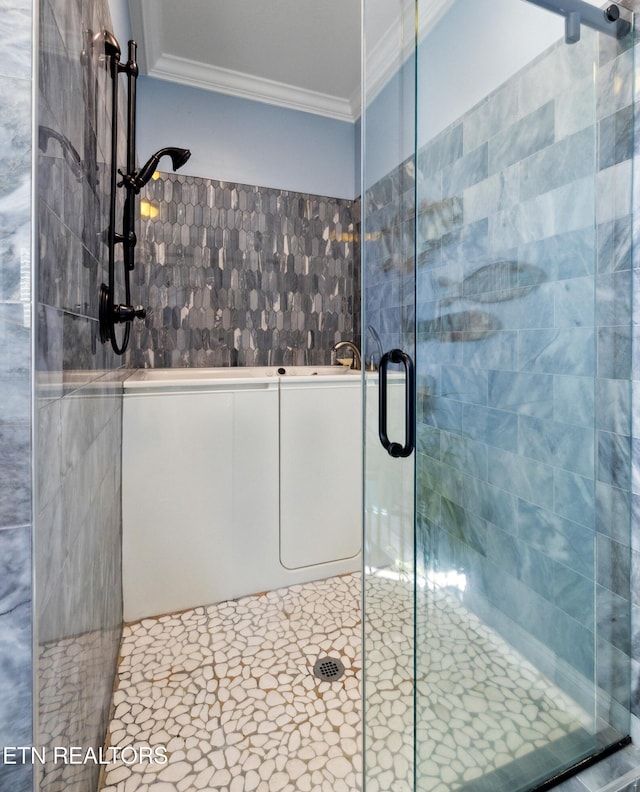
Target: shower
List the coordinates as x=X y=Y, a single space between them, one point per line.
x=497 y=274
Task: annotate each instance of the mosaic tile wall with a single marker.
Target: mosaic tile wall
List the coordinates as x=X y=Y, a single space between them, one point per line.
x=235 y=275
x=78 y=395
x=524 y=276
x=15 y=387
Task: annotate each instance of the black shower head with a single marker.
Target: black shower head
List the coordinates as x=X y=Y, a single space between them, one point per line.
x=178 y=158
x=70 y=154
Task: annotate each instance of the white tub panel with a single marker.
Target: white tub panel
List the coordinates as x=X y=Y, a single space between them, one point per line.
x=320 y=472
x=254 y=531
x=177 y=501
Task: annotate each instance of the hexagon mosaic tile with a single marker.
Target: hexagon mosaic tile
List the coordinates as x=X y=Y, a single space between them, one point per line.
x=224 y=696
x=232 y=274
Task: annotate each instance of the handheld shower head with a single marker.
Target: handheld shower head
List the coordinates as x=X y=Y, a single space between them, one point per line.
x=178 y=158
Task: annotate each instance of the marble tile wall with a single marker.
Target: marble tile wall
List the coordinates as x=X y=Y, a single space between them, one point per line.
x=524 y=315
x=238 y=275
x=78 y=397
x=635 y=422
x=16 y=691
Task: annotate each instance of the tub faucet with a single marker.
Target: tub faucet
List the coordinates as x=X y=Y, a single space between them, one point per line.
x=372 y=364
x=356 y=363
x=293 y=350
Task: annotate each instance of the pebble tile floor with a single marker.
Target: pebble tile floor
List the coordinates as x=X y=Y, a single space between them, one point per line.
x=480 y=705
x=229 y=690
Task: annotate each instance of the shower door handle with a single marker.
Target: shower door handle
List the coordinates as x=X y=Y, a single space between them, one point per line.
x=395 y=449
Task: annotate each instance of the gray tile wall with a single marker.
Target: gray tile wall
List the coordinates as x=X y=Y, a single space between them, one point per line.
x=238 y=275
x=78 y=604
x=15 y=388
x=546 y=496
x=635 y=422
x=524 y=297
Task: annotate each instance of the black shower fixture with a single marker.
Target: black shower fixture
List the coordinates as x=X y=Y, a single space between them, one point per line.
x=133 y=181
x=69 y=152
x=578 y=12
x=138 y=180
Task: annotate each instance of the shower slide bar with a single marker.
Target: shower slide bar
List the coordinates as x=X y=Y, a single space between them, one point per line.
x=133 y=180
x=577 y=12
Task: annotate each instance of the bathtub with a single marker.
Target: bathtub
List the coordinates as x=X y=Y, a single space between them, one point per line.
x=238 y=481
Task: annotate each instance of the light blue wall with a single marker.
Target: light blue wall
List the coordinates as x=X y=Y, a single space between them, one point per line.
x=120 y=21
x=238 y=140
x=450 y=87
x=389 y=118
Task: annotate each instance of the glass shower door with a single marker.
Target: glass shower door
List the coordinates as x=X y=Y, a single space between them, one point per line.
x=496 y=242
x=388 y=244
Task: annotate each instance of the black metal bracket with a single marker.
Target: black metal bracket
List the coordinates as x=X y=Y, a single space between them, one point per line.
x=578 y=12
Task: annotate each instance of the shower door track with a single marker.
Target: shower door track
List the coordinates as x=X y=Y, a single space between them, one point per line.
x=495 y=780
x=565 y=775
x=577 y=12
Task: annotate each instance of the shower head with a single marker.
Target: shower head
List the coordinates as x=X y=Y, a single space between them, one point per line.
x=178 y=158
x=45 y=133
x=71 y=156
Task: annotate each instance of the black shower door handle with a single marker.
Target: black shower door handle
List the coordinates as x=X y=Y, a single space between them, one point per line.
x=395 y=449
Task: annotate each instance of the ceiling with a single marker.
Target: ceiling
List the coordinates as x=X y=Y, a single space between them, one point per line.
x=301 y=54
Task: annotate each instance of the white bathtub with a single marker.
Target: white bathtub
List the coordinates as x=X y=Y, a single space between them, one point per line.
x=237 y=481
x=149 y=379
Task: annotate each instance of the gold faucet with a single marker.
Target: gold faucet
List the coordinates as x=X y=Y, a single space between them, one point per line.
x=356 y=363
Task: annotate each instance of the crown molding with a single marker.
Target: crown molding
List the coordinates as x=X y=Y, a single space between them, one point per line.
x=355 y=102
x=146 y=29
x=249 y=86
x=386 y=56
x=429 y=17
x=382 y=61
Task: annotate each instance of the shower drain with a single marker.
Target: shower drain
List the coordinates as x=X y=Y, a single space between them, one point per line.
x=329 y=669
